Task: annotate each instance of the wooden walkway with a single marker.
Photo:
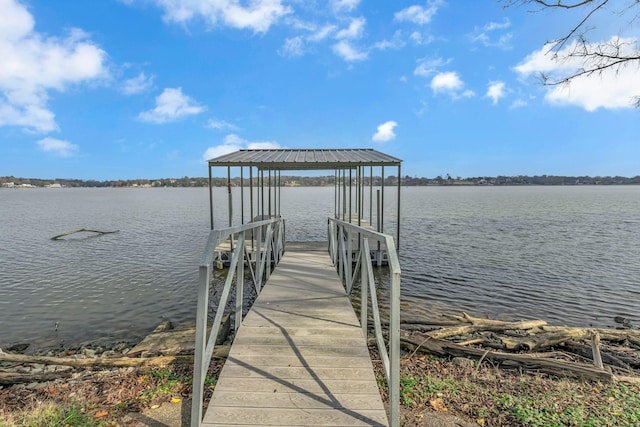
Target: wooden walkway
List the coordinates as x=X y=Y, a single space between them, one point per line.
x=299 y=358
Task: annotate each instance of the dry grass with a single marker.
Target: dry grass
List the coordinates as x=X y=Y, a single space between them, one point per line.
x=488 y=396
x=96 y=398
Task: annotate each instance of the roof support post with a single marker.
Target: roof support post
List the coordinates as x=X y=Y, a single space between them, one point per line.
x=350 y=192
x=382 y=205
x=241 y=195
x=210 y=197
x=230 y=205
x=269 y=193
x=344 y=194
x=371 y=195
x=398 y=210
x=336 y=199
x=262 y=193
x=251 y=193
x=359 y=195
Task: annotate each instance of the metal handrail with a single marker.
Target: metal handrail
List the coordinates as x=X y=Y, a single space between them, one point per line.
x=340 y=250
x=269 y=235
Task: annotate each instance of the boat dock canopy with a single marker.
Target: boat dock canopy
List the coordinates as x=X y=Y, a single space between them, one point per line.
x=306 y=159
x=349 y=166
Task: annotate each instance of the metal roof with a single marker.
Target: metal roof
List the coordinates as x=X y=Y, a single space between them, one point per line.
x=306 y=159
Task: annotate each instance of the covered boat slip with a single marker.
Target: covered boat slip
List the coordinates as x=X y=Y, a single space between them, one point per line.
x=300 y=355
x=353 y=171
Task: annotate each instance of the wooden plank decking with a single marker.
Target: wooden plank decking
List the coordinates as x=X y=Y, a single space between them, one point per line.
x=299 y=357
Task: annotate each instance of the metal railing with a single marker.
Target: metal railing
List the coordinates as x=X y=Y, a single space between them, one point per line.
x=267 y=248
x=342 y=251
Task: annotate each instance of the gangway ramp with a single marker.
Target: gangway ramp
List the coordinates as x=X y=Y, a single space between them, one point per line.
x=299 y=357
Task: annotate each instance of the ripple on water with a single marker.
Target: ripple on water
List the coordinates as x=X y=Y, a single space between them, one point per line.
x=567 y=255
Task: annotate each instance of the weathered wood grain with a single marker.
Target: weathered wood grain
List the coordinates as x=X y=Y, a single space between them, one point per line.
x=299 y=357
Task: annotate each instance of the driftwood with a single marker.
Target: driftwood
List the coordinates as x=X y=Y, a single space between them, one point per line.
x=609 y=355
x=543 y=340
x=494 y=326
x=108 y=362
x=82 y=230
x=10 y=378
x=428 y=344
x=574 y=347
x=465 y=318
x=631 y=335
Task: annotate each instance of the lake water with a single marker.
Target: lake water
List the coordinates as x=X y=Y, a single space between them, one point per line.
x=570 y=255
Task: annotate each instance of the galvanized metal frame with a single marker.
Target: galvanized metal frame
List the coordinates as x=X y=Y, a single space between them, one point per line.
x=273 y=250
x=340 y=233
x=340 y=160
x=270 y=234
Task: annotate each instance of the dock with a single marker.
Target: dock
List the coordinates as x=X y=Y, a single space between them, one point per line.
x=299 y=357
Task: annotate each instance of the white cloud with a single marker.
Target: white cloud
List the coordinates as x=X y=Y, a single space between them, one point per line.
x=137 y=84
x=345 y=5
x=428 y=66
x=518 y=103
x=233 y=142
x=446 y=82
x=32 y=65
x=292 y=47
x=221 y=125
x=418 y=14
x=495 y=91
x=395 y=43
x=322 y=33
x=301 y=44
x=385 y=132
x=484 y=35
x=171 y=105
x=420 y=39
x=613 y=88
x=492 y=26
x=349 y=53
x=354 y=30
x=257 y=15
x=57 y=147
x=450 y=83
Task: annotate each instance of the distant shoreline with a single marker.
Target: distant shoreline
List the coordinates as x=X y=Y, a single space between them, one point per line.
x=323 y=181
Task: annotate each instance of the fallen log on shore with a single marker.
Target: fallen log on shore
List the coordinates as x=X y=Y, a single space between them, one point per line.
x=219 y=353
x=11 y=378
x=615 y=353
x=493 y=327
x=428 y=344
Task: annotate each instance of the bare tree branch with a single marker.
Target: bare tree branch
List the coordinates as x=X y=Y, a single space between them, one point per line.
x=589 y=57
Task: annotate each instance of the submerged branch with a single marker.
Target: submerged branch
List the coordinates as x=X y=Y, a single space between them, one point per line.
x=81 y=230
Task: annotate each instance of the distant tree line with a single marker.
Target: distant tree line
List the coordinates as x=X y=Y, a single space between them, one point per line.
x=319 y=181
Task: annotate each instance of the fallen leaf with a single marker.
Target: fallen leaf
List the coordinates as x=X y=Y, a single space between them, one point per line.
x=480 y=421
x=438 y=405
x=176 y=400
x=102 y=414
x=155 y=406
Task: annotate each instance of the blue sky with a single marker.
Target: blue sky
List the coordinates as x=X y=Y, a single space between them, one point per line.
x=124 y=89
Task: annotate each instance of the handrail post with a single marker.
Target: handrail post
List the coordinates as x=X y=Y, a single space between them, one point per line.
x=239 y=281
x=205 y=343
x=391 y=357
x=364 y=284
x=394 y=347
x=199 y=372
x=349 y=265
